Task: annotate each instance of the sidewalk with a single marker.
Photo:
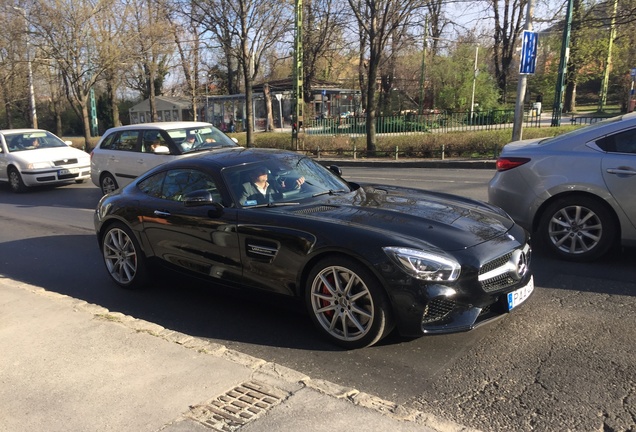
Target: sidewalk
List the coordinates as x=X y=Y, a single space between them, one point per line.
x=68 y=365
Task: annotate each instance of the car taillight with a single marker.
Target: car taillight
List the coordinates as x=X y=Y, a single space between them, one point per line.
x=507 y=163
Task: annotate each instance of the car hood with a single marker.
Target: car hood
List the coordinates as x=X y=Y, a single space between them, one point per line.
x=50 y=154
x=445 y=221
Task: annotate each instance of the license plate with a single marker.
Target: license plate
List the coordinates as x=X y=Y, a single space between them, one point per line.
x=67 y=171
x=517 y=297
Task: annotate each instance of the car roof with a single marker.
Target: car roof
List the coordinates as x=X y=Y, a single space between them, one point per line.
x=226 y=157
x=161 y=125
x=24 y=130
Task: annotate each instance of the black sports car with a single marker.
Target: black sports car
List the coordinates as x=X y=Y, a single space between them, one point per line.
x=365 y=258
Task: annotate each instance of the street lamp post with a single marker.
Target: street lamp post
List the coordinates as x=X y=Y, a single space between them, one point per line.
x=34 y=115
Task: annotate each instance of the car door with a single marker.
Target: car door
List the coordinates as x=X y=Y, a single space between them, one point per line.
x=198 y=239
x=619 y=169
x=119 y=155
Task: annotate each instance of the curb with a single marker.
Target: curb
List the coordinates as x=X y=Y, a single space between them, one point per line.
x=271 y=373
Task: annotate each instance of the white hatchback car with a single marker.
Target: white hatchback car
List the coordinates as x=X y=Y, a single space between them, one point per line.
x=125 y=152
x=34 y=157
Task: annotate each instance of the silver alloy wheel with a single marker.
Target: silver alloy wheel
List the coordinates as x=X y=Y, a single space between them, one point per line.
x=575 y=229
x=342 y=303
x=108 y=184
x=120 y=256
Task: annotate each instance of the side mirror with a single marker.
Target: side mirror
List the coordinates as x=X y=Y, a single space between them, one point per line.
x=162 y=150
x=336 y=170
x=198 y=198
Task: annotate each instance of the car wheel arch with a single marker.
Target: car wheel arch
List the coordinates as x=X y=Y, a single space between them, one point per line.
x=311 y=263
x=587 y=195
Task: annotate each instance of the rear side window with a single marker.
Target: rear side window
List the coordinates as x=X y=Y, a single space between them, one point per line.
x=123 y=141
x=622 y=142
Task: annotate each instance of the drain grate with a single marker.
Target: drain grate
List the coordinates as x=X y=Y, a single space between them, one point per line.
x=238 y=406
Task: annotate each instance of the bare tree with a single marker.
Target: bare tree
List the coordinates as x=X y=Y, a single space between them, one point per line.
x=378 y=20
x=247 y=29
x=68 y=39
x=508 y=19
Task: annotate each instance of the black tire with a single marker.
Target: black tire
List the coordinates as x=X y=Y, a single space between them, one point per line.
x=107 y=183
x=347 y=303
x=577 y=228
x=15 y=181
x=123 y=257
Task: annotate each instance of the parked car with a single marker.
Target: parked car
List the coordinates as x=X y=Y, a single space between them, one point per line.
x=125 y=152
x=576 y=190
x=35 y=157
x=364 y=258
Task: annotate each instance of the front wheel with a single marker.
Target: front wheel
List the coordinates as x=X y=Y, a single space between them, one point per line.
x=15 y=181
x=577 y=228
x=124 y=259
x=347 y=303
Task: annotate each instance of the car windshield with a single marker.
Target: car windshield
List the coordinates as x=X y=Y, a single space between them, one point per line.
x=201 y=138
x=282 y=181
x=28 y=141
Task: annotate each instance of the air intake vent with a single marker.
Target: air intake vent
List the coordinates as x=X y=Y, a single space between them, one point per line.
x=318 y=209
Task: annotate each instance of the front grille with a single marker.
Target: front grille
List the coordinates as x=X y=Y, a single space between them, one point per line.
x=496 y=263
x=437 y=309
x=501 y=272
x=497 y=283
x=64 y=162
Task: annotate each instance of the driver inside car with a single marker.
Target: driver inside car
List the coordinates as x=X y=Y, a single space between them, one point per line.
x=259 y=191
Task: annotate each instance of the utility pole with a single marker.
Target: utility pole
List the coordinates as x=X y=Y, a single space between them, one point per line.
x=557 y=108
x=297 y=120
x=472 y=98
x=522 y=84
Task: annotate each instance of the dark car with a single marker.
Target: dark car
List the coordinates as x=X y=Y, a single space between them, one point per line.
x=364 y=258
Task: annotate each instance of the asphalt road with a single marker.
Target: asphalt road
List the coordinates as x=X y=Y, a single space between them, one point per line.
x=563 y=361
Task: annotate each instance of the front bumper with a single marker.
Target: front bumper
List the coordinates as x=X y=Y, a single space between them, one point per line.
x=56 y=175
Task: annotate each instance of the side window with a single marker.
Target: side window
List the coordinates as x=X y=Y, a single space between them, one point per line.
x=109 y=142
x=176 y=184
x=153 y=185
x=127 y=141
x=151 y=139
x=623 y=142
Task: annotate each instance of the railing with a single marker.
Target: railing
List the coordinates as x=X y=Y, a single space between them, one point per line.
x=583 y=120
x=418 y=123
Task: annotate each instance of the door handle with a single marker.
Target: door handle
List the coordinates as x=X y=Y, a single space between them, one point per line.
x=622 y=171
x=160 y=213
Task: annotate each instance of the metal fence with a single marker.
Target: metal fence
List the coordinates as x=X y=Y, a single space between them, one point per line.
x=417 y=123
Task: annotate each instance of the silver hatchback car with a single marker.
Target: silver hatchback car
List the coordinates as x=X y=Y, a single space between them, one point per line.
x=576 y=192
x=125 y=152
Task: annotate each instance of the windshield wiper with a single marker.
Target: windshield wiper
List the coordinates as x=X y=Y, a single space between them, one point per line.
x=330 y=192
x=274 y=204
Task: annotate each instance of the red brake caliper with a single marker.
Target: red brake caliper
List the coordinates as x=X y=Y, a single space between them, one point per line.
x=324 y=290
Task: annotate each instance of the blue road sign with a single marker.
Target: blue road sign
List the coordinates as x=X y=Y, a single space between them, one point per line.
x=528 y=52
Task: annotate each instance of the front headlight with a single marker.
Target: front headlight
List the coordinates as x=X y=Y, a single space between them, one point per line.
x=38 y=165
x=425 y=265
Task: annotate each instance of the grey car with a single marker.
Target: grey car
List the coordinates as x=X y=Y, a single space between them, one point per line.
x=576 y=191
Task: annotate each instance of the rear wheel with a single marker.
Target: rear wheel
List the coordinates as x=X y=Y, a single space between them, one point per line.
x=347 y=303
x=108 y=183
x=15 y=181
x=578 y=228
x=124 y=259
